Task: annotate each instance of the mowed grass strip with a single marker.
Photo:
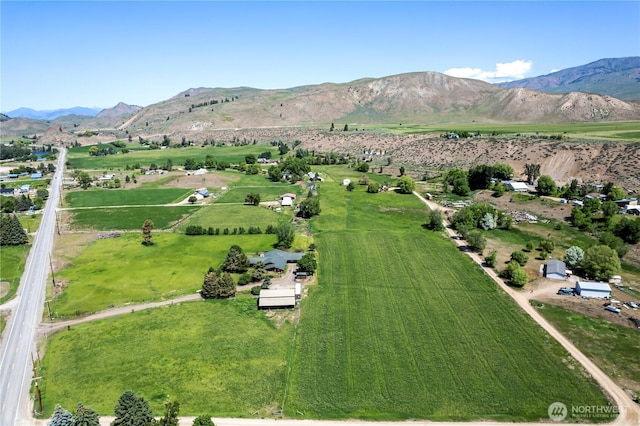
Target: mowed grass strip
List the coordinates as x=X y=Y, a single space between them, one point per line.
x=403 y=326
x=117 y=271
x=128 y=218
x=100 y=197
x=215 y=357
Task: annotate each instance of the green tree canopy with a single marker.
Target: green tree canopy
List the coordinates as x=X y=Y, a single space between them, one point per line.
x=628 y=230
x=309 y=207
x=520 y=257
x=532 y=171
x=252 y=198
x=308 y=263
x=131 y=410
x=285 y=232
x=170 y=418
x=373 y=187
x=434 y=220
x=362 y=167
x=601 y=261
x=406 y=184
x=546 y=185
x=574 y=256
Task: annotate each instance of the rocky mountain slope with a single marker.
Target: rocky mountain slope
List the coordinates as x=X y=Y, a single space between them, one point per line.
x=119 y=110
x=616 y=77
x=425 y=98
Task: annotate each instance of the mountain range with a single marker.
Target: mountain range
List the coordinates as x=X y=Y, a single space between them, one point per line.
x=51 y=114
x=418 y=98
x=617 y=77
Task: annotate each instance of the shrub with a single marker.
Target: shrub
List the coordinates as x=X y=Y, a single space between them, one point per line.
x=255 y=290
x=520 y=257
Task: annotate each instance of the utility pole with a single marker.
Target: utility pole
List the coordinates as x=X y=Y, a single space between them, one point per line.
x=49 y=309
x=53 y=278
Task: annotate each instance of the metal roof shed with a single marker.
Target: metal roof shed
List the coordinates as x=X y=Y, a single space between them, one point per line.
x=593 y=290
x=281 y=298
x=556 y=270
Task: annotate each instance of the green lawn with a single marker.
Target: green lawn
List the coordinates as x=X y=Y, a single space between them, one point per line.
x=403 y=326
x=129 y=218
x=612 y=347
x=219 y=357
x=12 y=261
x=99 y=197
x=267 y=193
x=116 y=271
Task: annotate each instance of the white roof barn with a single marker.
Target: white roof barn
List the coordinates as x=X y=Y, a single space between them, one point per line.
x=281 y=298
x=594 y=290
x=518 y=186
x=286 y=201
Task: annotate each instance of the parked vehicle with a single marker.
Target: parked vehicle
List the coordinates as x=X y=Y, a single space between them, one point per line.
x=633 y=305
x=565 y=291
x=612 y=309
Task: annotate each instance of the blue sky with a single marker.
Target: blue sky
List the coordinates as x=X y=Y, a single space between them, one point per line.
x=95 y=54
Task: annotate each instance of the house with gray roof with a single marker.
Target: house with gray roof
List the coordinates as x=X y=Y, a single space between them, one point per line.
x=276 y=260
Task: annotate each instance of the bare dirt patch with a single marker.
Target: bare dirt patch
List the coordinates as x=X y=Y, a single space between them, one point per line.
x=207 y=180
x=4 y=288
x=536 y=207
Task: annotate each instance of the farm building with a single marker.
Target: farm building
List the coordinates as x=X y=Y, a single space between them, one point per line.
x=286 y=201
x=555 y=270
x=7 y=192
x=281 y=298
x=517 y=186
x=203 y=191
x=346 y=182
x=629 y=209
x=276 y=260
x=593 y=290
x=35 y=176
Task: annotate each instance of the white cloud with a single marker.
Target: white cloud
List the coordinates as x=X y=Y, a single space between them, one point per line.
x=504 y=71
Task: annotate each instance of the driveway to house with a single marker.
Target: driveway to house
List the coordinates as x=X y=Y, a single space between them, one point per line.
x=629 y=410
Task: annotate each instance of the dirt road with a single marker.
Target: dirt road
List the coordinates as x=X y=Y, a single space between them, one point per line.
x=629 y=410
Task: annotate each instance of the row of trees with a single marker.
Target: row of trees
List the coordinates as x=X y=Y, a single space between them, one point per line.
x=462 y=182
x=24 y=202
x=130 y=410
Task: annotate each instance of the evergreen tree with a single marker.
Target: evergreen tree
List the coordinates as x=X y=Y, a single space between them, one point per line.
x=236 y=261
x=204 y=420
x=170 y=417
x=227 y=287
x=11 y=231
x=147 y=238
x=131 y=410
x=85 y=416
x=60 y=417
x=210 y=286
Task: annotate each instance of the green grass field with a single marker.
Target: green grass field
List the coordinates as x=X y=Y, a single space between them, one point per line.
x=612 y=347
x=99 y=197
x=219 y=357
x=406 y=327
x=12 y=261
x=129 y=218
x=79 y=158
x=233 y=216
x=621 y=131
x=116 y=271
x=401 y=325
x=267 y=193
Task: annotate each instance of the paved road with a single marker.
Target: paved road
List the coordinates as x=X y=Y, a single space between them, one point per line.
x=19 y=343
